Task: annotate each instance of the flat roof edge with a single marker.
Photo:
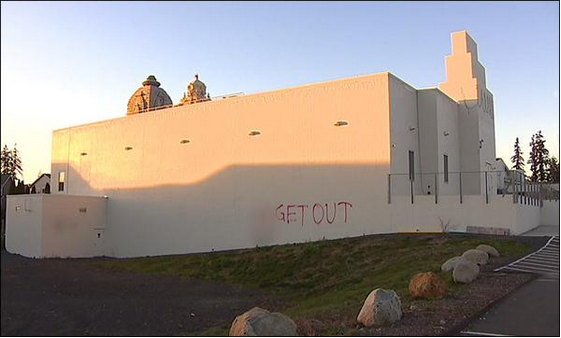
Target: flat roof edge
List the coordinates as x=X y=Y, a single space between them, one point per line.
x=232 y=98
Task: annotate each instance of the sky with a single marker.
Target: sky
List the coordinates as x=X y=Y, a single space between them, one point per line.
x=71 y=63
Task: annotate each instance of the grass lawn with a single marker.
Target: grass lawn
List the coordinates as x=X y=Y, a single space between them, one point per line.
x=327 y=279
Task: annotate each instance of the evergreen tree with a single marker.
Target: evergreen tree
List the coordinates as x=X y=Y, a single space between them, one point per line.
x=16 y=163
x=532 y=161
x=517 y=158
x=553 y=170
x=6 y=160
x=539 y=158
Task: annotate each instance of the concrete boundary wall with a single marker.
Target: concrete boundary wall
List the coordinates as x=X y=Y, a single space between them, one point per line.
x=42 y=226
x=24 y=230
x=549 y=213
x=424 y=215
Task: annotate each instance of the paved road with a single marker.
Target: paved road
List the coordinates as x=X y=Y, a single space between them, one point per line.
x=532 y=310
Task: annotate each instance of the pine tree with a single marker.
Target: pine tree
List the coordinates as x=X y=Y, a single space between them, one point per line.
x=532 y=161
x=6 y=160
x=16 y=163
x=553 y=170
x=517 y=158
x=539 y=158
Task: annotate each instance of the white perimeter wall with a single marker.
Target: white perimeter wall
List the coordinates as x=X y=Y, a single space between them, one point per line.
x=550 y=213
x=426 y=215
x=24 y=231
x=301 y=179
x=56 y=225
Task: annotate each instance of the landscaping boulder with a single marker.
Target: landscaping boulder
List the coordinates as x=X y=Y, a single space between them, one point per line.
x=427 y=285
x=260 y=322
x=381 y=307
x=450 y=264
x=465 y=272
x=476 y=256
x=488 y=249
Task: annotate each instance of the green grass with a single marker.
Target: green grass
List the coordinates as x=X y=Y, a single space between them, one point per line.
x=327 y=278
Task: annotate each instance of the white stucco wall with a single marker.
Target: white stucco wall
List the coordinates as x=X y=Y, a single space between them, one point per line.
x=428 y=135
x=448 y=134
x=425 y=215
x=527 y=217
x=24 y=231
x=42 y=226
x=439 y=136
x=404 y=136
x=549 y=213
x=73 y=226
x=225 y=189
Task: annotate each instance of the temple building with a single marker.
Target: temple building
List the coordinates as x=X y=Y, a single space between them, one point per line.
x=196 y=92
x=362 y=155
x=148 y=97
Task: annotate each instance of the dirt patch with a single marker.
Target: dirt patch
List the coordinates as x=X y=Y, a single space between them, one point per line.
x=56 y=297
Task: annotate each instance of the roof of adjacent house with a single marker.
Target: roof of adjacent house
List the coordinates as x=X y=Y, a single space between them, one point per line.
x=38 y=178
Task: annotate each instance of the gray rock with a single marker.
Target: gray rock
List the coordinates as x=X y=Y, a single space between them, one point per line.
x=465 y=272
x=450 y=264
x=488 y=249
x=476 y=256
x=259 y=322
x=381 y=307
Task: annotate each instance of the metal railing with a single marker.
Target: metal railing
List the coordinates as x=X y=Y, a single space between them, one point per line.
x=467 y=183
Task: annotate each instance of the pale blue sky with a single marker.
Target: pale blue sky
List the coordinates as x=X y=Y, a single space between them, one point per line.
x=65 y=63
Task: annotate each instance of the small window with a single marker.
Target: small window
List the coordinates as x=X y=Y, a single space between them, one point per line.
x=61 y=180
x=411 y=165
x=446 y=168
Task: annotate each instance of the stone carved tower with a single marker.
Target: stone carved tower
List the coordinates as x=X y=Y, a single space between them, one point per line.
x=196 y=92
x=148 y=97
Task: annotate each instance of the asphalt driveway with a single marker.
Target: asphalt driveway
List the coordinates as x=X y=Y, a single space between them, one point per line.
x=72 y=298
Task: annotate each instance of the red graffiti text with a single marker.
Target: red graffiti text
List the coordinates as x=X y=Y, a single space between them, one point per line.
x=326 y=213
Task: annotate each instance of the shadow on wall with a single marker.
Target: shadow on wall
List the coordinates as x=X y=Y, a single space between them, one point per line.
x=241 y=206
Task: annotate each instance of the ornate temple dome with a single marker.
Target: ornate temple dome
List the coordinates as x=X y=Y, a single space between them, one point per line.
x=196 y=92
x=148 y=97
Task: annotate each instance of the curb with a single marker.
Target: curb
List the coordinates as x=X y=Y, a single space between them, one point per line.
x=456 y=329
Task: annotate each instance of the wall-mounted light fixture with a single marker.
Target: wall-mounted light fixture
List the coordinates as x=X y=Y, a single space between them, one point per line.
x=83 y=154
x=411 y=128
x=128 y=148
x=254 y=133
x=184 y=141
x=341 y=123
x=446 y=133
